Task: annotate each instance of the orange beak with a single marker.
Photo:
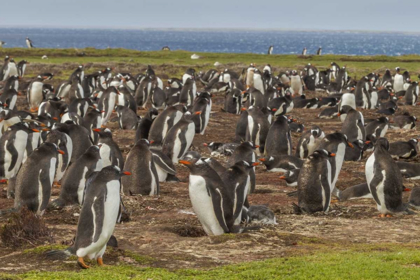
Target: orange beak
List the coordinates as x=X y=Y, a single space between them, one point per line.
x=350 y=145
x=185 y=162
x=35 y=130
x=332 y=155
x=55 y=118
x=255 y=164
x=151 y=141
x=127 y=173
x=282 y=177
x=262 y=159
x=197 y=113
x=61 y=152
x=257 y=146
x=96 y=130
x=205 y=144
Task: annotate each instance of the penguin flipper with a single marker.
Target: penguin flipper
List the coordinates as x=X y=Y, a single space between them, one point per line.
x=377 y=179
x=11 y=148
x=161 y=163
x=325 y=184
x=239 y=203
x=217 y=199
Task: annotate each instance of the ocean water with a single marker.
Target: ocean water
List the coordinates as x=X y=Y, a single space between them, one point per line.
x=284 y=42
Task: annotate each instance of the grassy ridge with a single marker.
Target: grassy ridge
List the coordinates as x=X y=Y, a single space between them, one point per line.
x=357 y=65
x=357 y=262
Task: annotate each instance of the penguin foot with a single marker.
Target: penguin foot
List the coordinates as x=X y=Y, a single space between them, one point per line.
x=334 y=201
x=57 y=184
x=82 y=264
x=385 y=216
x=100 y=261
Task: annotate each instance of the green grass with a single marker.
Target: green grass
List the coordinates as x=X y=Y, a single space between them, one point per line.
x=357 y=65
x=357 y=262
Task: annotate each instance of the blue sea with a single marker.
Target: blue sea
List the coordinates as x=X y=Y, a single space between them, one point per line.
x=222 y=41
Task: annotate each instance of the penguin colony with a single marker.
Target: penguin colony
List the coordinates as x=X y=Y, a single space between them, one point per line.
x=62 y=139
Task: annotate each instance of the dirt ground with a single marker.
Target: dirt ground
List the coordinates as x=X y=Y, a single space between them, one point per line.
x=167 y=233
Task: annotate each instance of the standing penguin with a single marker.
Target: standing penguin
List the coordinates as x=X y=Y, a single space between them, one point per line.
x=12 y=149
x=296 y=83
x=22 y=67
x=304 y=51
x=202 y=104
x=412 y=94
x=107 y=102
x=109 y=150
x=35 y=93
x=97 y=218
x=398 y=81
x=209 y=198
x=35 y=179
x=314 y=183
x=258 y=127
x=144 y=179
x=65 y=144
x=335 y=143
x=245 y=151
x=319 y=51
x=309 y=142
x=179 y=138
x=73 y=184
x=279 y=141
x=384 y=180
x=233 y=101
x=127 y=118
x=164 y=121
x=270 y=50
x=29 y=43
x=354 y=125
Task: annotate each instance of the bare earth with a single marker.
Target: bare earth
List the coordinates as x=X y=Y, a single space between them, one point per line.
x=165 y=229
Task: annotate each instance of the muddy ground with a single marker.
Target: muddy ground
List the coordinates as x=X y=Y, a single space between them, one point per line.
x=166 y=233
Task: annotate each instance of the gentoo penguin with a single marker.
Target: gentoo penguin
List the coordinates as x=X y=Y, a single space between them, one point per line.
x=398 y=81
x=29 y=43
x=97 y=218
x=8 y=98
x=412 y=94
x=314 y=183
x=356 y=192
x=304 y=51
x=335 y=143
x=35 y=179
x=354 y=124
x=64 y=143
x=296 y=85
x=355 y=153
x=258 y=127
x=319 y=51
x=409 y=170
x=387 y=111
x=187 y=94
x=384 y=180
x=22 y=67
x=127 y=118
x=140 y=163
x=327 y=102
x=329 y=113
x=403 y=150
x=164 y=121
x=145 y=124
x=281 y=105
x=237 y=182
x=291 y=177
x=270 y=50
x=158 y=97
x=35 y=93
x=12 y=149
x=378 y=127
x=307 y=103
x=12 y=83
x=107 y=102
x=348 y=99
x=79 y=135
x=209 y=198
x=386 y=79
x=4 y=74
x=109 y=150
x=202 y=103
x=233 y=101
x=405 y=121
x=73 y=184
x=309 y=142
x=296 y=126
x=245 y=151
x=279 y=140
x=2 y=43
x=282 y=163
x=80 y=106
x=179 y=138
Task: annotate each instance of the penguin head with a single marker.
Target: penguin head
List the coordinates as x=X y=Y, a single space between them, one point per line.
x=382 y=143
x=112 y=172
x=320 y=155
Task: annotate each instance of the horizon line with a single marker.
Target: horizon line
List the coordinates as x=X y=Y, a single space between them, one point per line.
x=207 y=29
